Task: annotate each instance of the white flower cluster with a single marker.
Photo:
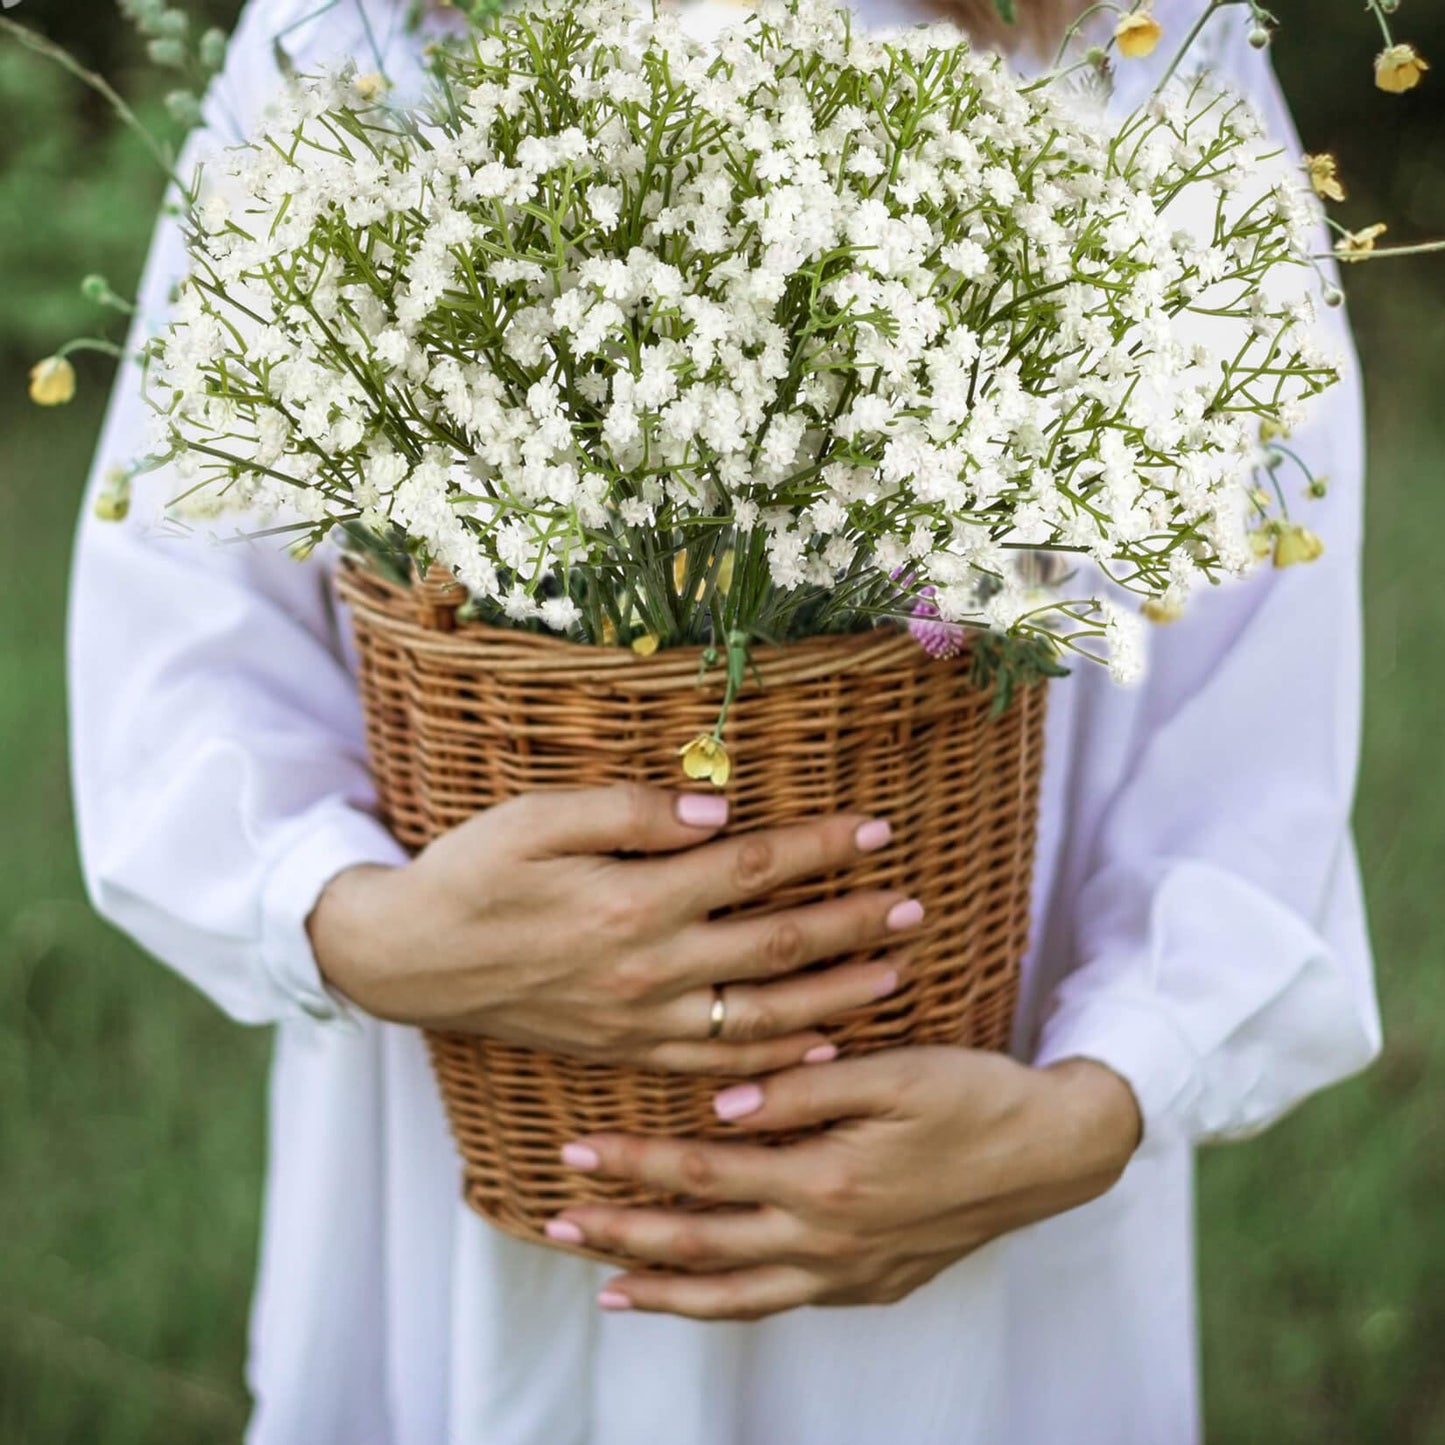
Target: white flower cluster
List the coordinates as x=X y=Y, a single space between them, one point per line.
x=855 y=317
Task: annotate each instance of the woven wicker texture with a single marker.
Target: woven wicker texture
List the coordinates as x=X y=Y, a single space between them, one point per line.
x=462 y=716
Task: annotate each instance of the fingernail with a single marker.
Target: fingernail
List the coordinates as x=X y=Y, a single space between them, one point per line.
x=738 y=1102
x=872 y=835
x=563 y=1231
x=821 y=1054
x=611 y=1299
x=908 y=914
x=702 y=810
x=886 y=984
x=579 y=1156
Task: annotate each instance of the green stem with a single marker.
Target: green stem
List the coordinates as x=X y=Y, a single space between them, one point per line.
x=92 y=343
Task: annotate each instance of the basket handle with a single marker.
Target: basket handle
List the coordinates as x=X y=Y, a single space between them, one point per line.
x=438 y=595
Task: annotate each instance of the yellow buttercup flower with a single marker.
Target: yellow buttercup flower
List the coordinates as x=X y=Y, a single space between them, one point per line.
x=1296 y=544
x=52 y=382
x=1324 y=174
x=725 y=572
x=646 y=644
x=705 y=757
x=1356 y=244
x=1162 y=612
x=1261 y=543
x=1399 y=68
x=1138 y=34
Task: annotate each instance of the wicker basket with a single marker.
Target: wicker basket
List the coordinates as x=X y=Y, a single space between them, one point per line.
x=461 y=716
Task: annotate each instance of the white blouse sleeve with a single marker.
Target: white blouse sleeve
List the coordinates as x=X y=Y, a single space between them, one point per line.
x=1225 y=969
x=217 y=745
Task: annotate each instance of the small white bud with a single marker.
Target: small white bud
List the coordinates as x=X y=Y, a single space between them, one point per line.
x=1259 y=37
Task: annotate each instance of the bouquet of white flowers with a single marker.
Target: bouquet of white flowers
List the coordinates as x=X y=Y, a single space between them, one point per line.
x=654 y=340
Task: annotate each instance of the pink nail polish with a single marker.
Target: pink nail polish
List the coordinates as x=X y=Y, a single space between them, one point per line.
x=611 y=1299
x=579 y=1156
x=821 y=1054
x=738 y=1102
x=563 y=1231
x=702 y=810
x=908 y=914
x=872 y=835
x=887 y=984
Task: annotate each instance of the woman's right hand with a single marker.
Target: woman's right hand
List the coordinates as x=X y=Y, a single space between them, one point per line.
x=578 y=922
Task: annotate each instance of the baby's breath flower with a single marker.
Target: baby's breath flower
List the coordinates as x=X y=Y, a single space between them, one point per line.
x=1399 y=68
x=52 y=382
x=1324 y=174
x=1138 y=34
x=705 y=757
x=664 y=357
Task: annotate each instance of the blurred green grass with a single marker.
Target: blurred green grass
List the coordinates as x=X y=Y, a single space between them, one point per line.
x=131 y=1113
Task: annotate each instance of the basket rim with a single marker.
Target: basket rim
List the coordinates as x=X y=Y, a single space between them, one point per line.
x=392 y=608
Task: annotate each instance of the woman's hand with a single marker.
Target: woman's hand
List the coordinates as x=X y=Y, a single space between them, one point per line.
x=940 y=1150
x=526 y=925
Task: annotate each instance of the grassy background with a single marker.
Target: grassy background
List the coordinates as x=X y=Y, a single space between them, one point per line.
x=131 y=1123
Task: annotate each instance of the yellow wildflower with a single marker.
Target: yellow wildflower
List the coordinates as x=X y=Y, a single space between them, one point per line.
x=706 y=757
x=1138 y=34
x=609 y=632
x=371 y=85
x=1324 y=174
x=1354 y=245
x=52 y=382
x=1271 y=430
x=1261 y=543
x=1296 y=544
x=1162 y=612
x=645 y=644
x=1399 y=68
x=725 y=572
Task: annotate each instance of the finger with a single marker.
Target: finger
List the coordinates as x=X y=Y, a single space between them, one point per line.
x=741 y=1061
x=754 y=1011
x=723 y=1173
x=695 y=1243
x=747 y=1294
x=730 y=949
x=870 y=1086
x=627 y=818
x=755 y=864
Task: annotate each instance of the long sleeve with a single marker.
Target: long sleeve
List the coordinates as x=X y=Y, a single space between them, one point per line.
x=1223 y=966
x=217 y=747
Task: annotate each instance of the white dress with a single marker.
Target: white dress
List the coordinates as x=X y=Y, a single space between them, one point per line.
x=1198 y=927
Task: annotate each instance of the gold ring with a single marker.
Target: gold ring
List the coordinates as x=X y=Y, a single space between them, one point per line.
x=719 y=1015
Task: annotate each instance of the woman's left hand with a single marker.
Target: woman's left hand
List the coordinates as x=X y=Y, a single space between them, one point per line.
x=933 y=1152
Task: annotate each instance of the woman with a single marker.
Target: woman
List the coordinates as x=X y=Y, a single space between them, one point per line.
x=1199 y=966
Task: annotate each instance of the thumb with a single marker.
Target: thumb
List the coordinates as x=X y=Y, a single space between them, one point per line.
x=626 y=818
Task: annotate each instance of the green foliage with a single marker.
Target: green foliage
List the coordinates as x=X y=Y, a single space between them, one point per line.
x=70 y=200
x=1007 y=663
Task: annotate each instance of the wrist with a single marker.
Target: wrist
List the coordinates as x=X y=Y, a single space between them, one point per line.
x=1098 y=1109
x=347 y=932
